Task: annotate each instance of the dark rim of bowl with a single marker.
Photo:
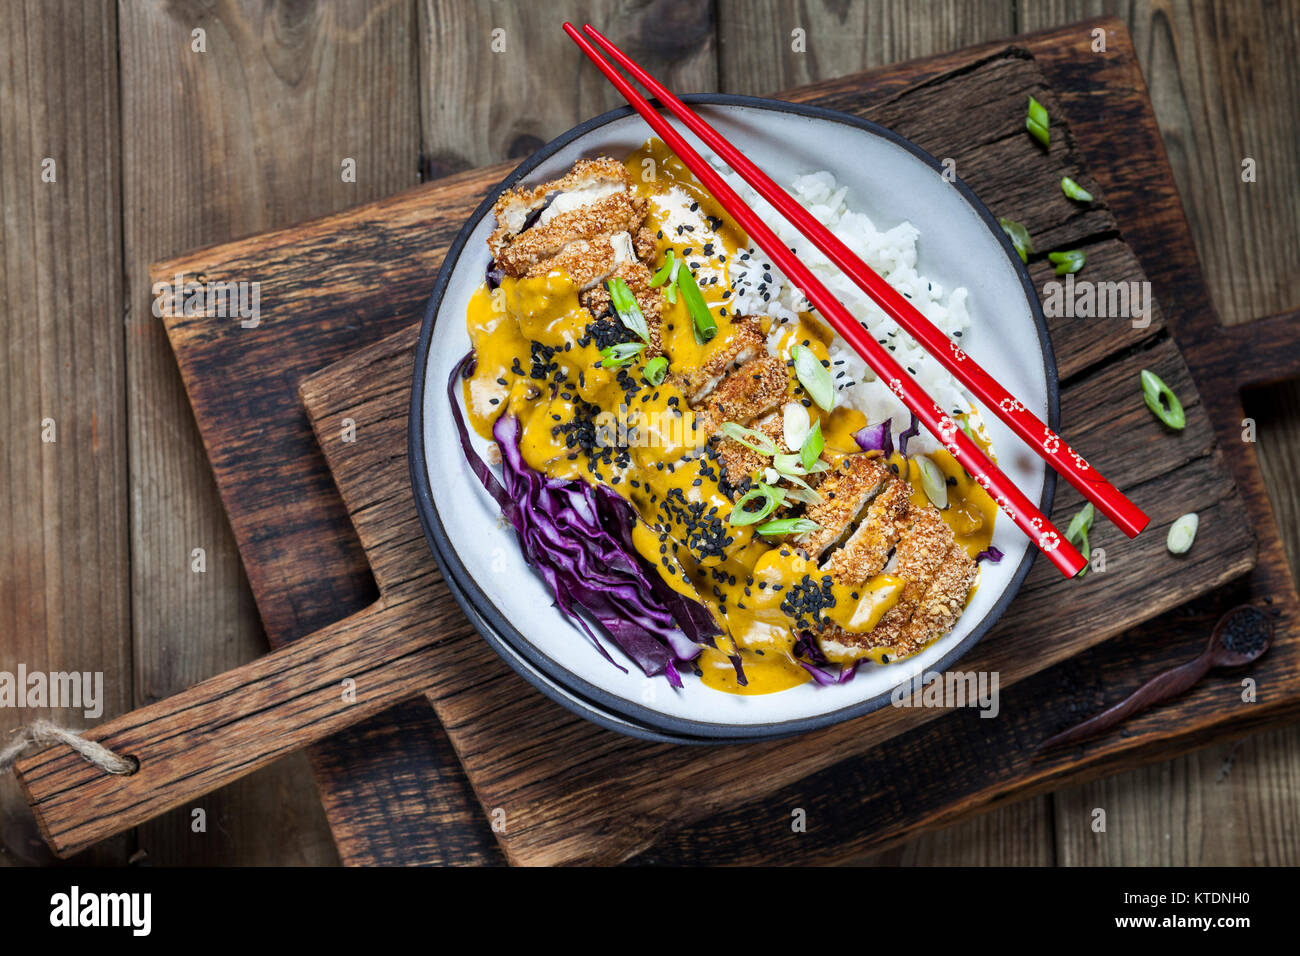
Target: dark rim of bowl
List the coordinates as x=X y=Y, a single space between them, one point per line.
x=497 y=628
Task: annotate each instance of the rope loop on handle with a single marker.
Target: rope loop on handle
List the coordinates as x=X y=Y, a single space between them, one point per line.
x=44 y=733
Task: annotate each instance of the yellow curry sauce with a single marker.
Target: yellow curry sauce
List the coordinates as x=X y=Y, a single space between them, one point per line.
x=531 y=332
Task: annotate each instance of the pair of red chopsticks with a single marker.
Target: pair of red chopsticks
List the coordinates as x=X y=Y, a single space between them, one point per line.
x=1112 y=503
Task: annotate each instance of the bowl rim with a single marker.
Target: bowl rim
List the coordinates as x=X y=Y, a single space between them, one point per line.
x=497 y=628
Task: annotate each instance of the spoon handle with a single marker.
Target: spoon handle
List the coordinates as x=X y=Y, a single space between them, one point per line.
x=1162 y=687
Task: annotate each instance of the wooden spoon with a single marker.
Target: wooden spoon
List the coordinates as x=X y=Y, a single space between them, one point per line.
x=1241 y=636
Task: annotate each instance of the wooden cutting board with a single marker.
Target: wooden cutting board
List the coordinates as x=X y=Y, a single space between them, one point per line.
x=572 y=792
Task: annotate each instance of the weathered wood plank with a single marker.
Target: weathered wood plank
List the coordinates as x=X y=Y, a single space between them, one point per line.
x=258 y=127
x=1223 y=91
x=759 y=51
x=1212 y=113
x=64 y=596
x=514 y=80
x=222 y=728
x=313 y=569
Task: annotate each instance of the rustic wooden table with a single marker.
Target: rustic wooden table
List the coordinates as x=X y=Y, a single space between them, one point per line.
x=171 y=126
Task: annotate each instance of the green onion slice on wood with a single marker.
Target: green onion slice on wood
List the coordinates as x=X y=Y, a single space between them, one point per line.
x=1038 y=123
x=1164 y=404
x=1074 y=190
x=1182 y=533
x=1077 y=533
x=1066 y=262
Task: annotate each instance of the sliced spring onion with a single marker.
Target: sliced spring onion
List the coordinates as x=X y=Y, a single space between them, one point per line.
x=1164 y=404
x=705 y=327
x=799 y=494
x=1038 y=112
x=1182 y=533
x=1019 y=238
x=625 y=307
x=1082 y=522
x=773 y=498
x=794 y=424
x=1038 y=123
x=793 y=465
x=754 y=441
x=613 y=356
x=1077 y=533
x=812 y=446
x=656 y=369
x=1074 y=190
x=671 y=288
x=665 y=271
x=968 y=428
x=933 y=482
x=802 y=491
x=1066 y=262
x=788 y=526
x=814 y=377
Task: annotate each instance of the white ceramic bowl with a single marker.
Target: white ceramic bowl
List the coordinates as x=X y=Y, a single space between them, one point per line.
x=891 y=180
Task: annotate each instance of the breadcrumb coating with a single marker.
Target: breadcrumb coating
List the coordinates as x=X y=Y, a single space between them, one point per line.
x=938 y=575
x=845 y=491
x=752 y=390
x=865 y=553
x=744 y=343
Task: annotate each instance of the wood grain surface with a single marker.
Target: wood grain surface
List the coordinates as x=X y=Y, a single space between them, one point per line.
x=1221 y=87
x=63 y=510
x=529 y=773
x=245 y=135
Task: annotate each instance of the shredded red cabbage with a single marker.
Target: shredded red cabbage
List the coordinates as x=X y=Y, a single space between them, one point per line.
x=810 y=657
x=578 y=536
x=990 y=554
x=913 y=430
x=876 y=437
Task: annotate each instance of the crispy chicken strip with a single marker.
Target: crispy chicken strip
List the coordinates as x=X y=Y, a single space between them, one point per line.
x=865 y=553
x=938 y=575
x=739 y=462
x=744 y=344
x=845 y=491
x=588 y=223
x=752 y=390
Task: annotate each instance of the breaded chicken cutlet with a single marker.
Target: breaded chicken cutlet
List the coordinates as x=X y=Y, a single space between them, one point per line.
x=590 y=223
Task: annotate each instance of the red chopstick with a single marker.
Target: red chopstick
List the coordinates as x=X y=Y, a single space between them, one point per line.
x=1011 y=500
x=1108 y=499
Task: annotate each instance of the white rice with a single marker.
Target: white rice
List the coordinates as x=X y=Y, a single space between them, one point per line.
x=759 y=288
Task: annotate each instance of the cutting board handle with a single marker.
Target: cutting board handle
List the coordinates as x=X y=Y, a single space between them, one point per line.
x=230 y=725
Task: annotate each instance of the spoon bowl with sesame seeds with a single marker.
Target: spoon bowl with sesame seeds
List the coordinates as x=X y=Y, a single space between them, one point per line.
x=711 y=520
